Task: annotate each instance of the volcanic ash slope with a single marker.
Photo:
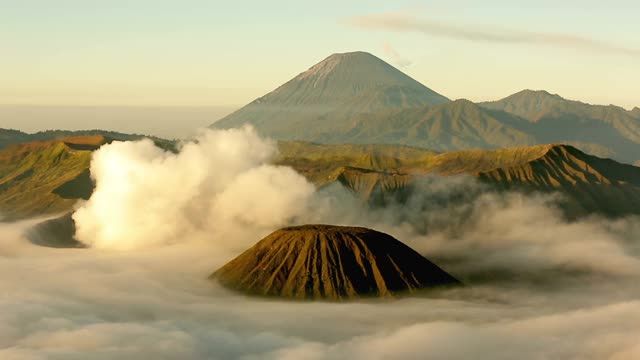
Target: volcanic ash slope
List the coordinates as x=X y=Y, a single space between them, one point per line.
x=313 y=262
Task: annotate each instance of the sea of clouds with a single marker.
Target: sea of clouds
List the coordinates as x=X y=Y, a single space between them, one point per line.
x=539 y=286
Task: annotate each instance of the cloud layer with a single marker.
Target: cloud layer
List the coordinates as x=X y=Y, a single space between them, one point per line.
x=547 y=288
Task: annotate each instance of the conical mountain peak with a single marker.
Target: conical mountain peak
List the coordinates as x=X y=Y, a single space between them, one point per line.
x=328 y=262
x=328 y=96
x=527 y=103
x=535 y=94
x=343 y=78
x=360 y=63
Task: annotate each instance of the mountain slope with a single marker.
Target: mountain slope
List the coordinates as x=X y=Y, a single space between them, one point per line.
x=324 y=99
x=330 y=262
x=456 y=125
x=357 y=98
x=33 y=175
x=590 y=184
x=604 y=130
x=9 y=136
x=49 y=177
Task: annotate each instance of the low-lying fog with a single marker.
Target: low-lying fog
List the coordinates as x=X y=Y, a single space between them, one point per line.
x=159 y=224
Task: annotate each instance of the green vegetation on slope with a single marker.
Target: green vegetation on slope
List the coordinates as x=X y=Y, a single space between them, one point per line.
x=48 y=177
x=30 y=173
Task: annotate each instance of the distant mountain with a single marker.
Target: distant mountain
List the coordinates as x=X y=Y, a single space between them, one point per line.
x=8 y=136
x=357 y=98
x=459 y=124
x=324 y=262
x=325 y=99
x=603 y=130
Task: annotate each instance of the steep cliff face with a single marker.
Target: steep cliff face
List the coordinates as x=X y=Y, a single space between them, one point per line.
x=330 y=262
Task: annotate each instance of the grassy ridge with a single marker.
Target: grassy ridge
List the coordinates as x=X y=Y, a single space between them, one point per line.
x=43 y=177
x=30 y=173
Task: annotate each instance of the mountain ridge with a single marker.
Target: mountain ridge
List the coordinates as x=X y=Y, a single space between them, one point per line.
x=589 y=184
x=48 y=177
x=339 y=100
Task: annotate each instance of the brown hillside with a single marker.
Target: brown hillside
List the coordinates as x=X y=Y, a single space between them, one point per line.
x=330 y=262
x=592 y=184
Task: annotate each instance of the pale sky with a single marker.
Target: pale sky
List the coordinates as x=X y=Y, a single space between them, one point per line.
x=218 y=53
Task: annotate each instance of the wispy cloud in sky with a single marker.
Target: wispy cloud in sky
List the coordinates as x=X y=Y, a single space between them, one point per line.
x=395 y=57
x=400 y=22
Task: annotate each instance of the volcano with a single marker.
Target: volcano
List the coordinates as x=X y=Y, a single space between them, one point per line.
x=325 y=262
x=326 y=98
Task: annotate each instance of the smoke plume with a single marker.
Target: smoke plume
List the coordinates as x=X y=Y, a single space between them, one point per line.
x=219 y=186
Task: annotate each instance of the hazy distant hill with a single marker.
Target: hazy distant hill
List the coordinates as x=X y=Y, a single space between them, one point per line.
x=603 y=130
x=460 y=124
x=171 y=122
x=358 y=98
x=9 y=136
x=326 y=98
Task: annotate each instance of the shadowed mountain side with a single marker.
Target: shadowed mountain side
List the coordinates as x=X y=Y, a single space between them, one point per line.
x=595 y=184
x=57 y=233
x=324 y=99
x=80 y=187
x=314 y=262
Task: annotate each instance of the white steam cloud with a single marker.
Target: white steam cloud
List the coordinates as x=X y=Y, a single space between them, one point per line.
x=215 y=187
